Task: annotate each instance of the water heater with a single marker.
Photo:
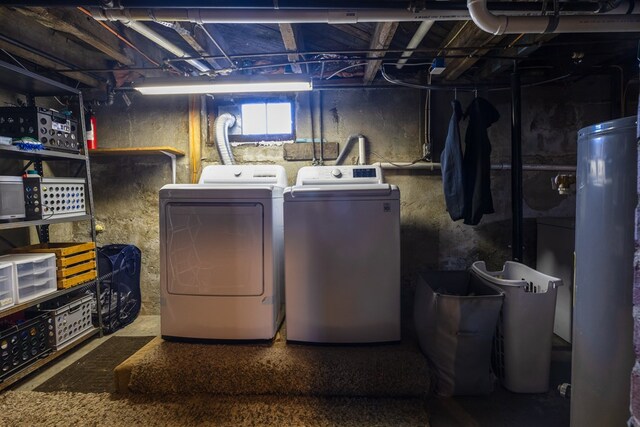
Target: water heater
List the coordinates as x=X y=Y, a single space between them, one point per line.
x=603 y=356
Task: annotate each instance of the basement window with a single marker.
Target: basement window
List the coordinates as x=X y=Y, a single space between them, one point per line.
x=261 y=120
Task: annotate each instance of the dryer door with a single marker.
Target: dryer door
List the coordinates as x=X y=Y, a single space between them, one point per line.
x=214 y=249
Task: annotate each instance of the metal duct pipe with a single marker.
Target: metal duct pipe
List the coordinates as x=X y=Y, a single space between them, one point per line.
x=164 y=43
x=222 y=125
x=422 y=31
x=614 y=21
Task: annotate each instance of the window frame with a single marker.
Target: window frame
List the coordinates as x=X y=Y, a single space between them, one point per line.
x=239 y=138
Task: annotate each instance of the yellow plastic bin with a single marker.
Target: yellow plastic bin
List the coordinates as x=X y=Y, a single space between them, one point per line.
x=522 y=348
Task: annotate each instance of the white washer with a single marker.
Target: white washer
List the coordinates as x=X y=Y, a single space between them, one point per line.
x=221 y=254
x=342 y=256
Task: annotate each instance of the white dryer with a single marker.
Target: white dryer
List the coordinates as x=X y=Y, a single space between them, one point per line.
x=221 y=254
x=342 y=256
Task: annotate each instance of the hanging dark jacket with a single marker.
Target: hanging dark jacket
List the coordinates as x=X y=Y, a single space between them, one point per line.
x=451 y=165
x=477 y=161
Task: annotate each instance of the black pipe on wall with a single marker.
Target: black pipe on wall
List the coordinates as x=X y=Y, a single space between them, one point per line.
x=516 y=167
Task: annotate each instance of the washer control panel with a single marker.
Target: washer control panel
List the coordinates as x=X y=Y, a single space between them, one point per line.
x=321 y=175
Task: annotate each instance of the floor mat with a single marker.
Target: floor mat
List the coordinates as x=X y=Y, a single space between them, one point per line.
x=93 y=373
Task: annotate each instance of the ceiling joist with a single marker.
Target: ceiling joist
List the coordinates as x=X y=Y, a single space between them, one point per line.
x=292 y=43
x=381 y=39
x=75 y=23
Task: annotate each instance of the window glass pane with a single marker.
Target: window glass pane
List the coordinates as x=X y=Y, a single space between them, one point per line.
x=254 y=119
x=279 y=118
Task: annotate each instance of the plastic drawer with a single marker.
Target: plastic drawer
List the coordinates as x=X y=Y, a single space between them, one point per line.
x=7 y=285
x=35 y=275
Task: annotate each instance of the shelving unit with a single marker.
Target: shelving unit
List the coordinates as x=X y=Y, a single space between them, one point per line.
x=18 y=80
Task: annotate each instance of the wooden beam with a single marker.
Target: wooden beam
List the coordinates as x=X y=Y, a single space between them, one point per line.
x=353 y=31
x=47 y=63
x=188 y=36
x=77 y=24
x=195 y=142
x=290 y=38
x=381 y=39
x=467 y=34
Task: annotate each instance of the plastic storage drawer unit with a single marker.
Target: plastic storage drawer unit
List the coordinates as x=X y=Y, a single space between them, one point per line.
x=35 y=273
x=7 y=285
x=522 y=351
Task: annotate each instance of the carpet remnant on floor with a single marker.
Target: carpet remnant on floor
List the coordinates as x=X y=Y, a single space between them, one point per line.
x=25 y=408
x=93 y=373
x=281 y=369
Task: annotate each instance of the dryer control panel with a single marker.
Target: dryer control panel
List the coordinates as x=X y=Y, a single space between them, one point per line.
x=332 y=175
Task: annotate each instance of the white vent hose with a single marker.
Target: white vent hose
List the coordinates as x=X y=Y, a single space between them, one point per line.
x=222 y=125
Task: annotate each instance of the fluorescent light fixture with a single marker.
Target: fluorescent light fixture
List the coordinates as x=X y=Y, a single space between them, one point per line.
x=225 y=84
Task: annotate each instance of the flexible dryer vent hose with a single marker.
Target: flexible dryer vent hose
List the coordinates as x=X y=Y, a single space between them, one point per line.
x=222 y=125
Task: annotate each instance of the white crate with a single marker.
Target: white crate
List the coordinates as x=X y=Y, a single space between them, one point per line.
x=63 y=197
x=7 y=285
x=35 y=274
x=69 y=321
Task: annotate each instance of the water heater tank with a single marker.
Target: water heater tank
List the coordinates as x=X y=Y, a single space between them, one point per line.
x=603 y=357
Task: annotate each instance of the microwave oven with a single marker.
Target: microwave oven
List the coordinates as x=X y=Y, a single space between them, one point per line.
x=11 y=198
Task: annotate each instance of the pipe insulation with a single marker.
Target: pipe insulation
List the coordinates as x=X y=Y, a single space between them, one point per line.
x=164 y=43
x=620 y=19
x=222 y=125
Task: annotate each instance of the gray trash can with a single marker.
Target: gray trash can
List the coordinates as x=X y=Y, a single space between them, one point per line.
x=455 y=316
x=522 y=352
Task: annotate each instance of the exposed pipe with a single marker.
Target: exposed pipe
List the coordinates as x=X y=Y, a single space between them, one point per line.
x=362 y=154
x=495 y=166
x=347 y=146
x=620 y=19
x=222 y=125
x=163 y=42
x=517 y=218
x=422 y=31
x=353 y=16
x=277 y=16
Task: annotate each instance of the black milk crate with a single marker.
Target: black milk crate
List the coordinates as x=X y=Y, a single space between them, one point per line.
x=23 y=344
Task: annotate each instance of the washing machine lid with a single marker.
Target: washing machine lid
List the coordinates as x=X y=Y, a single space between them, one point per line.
x=216 y=191
x=339 y=175
x=274 y=175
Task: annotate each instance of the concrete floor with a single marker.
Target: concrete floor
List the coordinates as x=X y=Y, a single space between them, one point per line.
x=143 y=326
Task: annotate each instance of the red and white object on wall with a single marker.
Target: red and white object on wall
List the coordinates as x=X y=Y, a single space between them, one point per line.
x=92 y=133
